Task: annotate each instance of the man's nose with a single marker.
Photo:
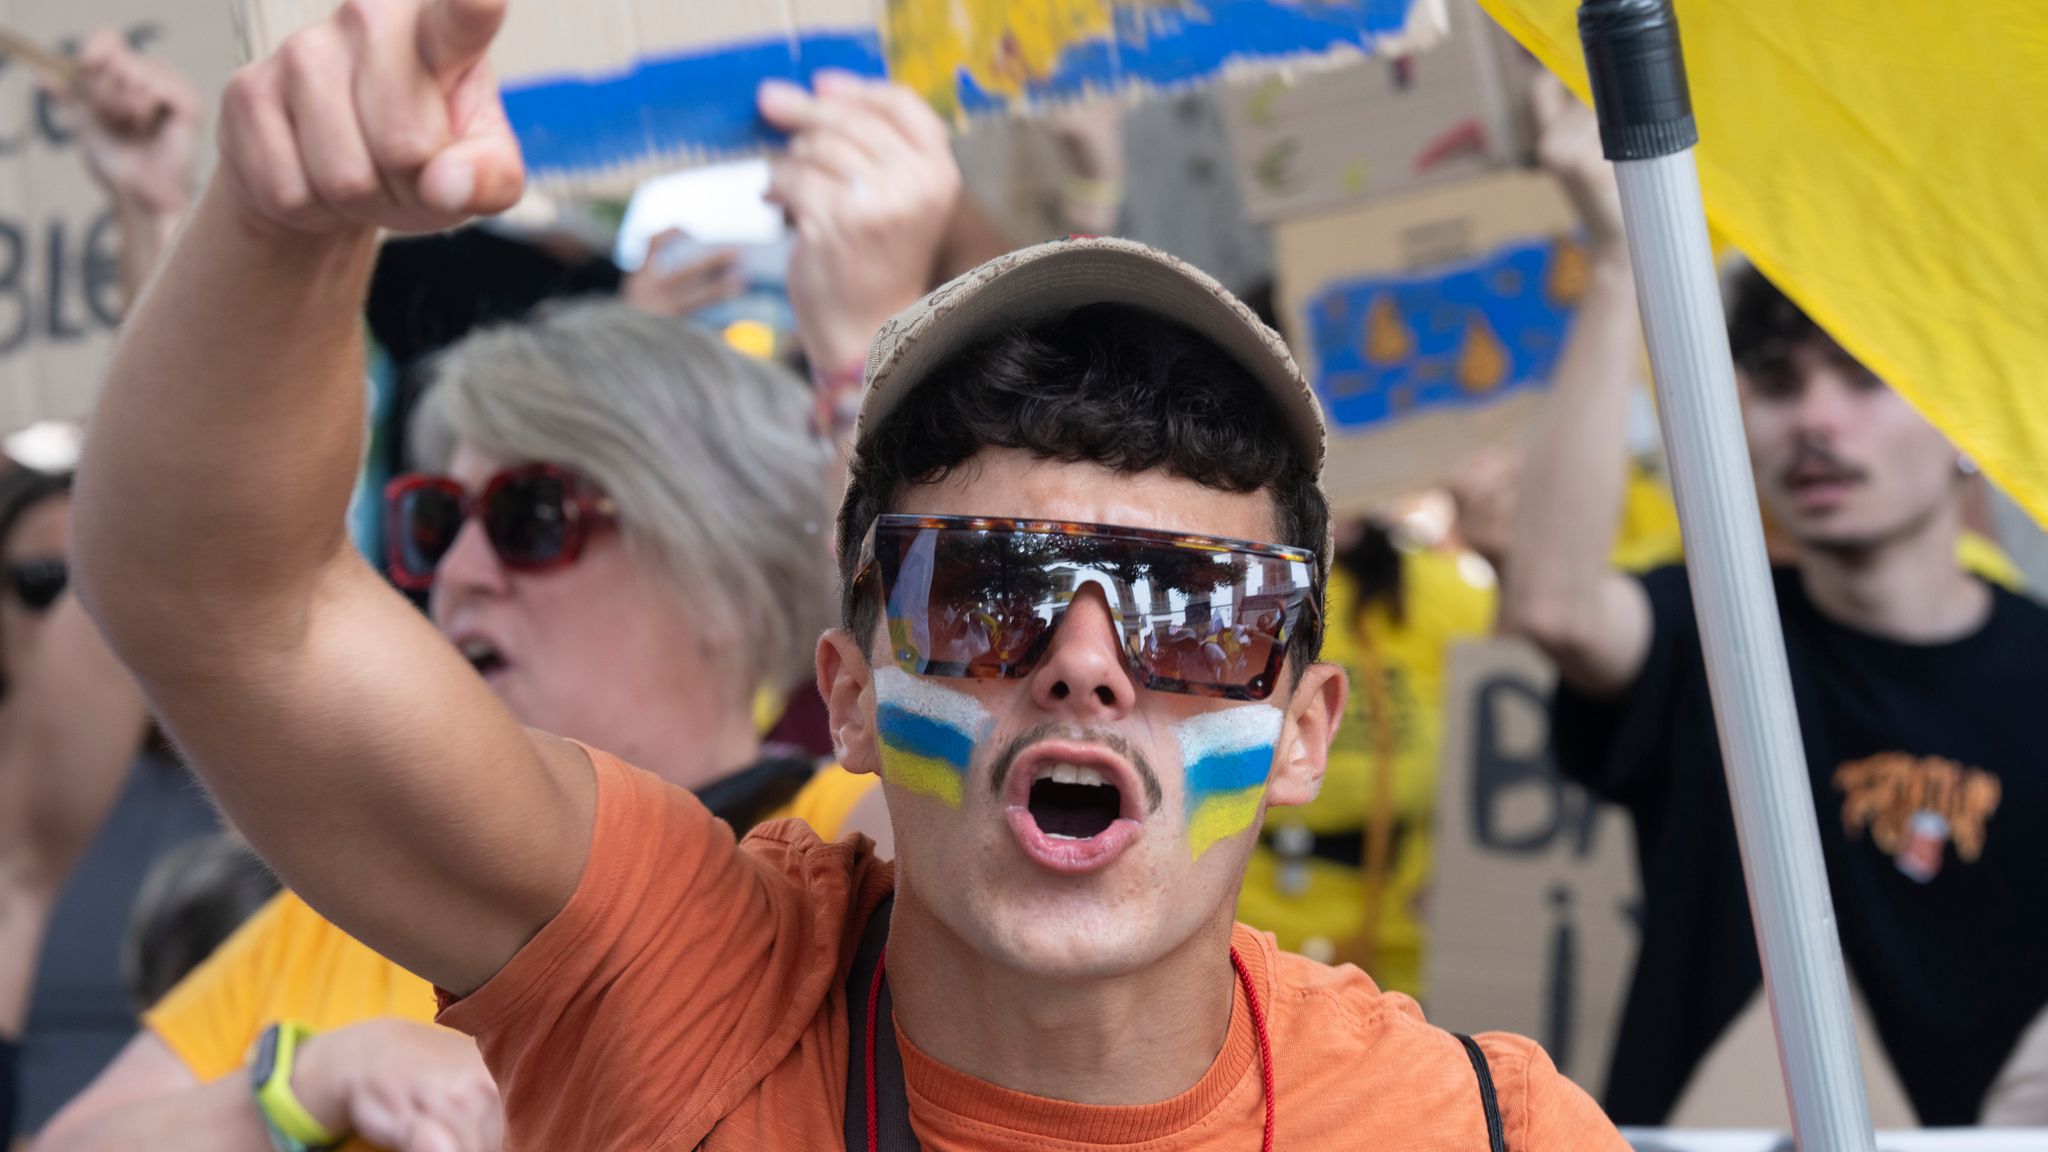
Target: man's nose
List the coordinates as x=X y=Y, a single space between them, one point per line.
x=1084 y=674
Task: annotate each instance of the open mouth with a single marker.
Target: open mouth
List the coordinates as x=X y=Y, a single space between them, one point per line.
x=482 y=656
x=1073 y=806
x=1073 y=802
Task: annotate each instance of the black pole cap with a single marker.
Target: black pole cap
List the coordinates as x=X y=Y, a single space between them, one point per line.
x=1638 y=73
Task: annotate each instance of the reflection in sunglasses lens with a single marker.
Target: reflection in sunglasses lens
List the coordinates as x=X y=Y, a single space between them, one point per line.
x=981 y=602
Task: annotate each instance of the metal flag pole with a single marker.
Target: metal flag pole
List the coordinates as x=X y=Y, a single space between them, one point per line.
x=1646 y=128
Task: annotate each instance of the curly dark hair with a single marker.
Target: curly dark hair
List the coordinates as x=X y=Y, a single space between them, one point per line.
x=1108 y=384
x=1764 y=325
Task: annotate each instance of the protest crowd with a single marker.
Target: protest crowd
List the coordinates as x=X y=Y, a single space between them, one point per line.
x=497 y=674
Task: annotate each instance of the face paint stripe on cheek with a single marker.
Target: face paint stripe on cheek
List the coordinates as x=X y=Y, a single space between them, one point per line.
x=1226 y=755
x=927 y=734
x=1221 y=817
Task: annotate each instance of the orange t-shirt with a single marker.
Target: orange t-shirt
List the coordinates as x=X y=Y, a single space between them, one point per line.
x=690 y=996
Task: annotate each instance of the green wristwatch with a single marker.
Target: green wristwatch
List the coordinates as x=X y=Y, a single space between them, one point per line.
x=292 y=1128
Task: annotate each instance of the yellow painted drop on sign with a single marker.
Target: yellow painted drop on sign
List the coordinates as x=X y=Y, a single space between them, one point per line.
x=1482 y=358
x=1388 y=339
x=1882 y=164
x=1564 y=284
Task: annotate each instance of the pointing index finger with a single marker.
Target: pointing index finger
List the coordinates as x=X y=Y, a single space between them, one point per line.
x=455 y=34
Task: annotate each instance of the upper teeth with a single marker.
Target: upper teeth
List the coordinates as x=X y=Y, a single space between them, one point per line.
x=1072 y=774
x=474 y=650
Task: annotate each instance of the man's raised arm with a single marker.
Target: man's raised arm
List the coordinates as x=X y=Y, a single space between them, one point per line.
x=1556 y=585
x=344 y=737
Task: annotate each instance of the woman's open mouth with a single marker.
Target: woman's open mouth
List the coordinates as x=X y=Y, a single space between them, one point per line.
x=483 y=655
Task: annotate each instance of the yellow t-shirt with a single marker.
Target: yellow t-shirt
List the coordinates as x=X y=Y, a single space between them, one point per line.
x=1648 y=534
x=1318 y=905
x=287 y=962
x=828 y=800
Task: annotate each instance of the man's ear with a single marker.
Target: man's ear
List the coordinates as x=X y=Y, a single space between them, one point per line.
x=1312 y=721
x=846 y=683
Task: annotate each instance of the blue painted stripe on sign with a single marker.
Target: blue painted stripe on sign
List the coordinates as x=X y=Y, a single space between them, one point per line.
x=702 y=101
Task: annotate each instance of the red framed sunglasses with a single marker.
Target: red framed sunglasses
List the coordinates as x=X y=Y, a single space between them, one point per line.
x=978 y=597
x=536 y=516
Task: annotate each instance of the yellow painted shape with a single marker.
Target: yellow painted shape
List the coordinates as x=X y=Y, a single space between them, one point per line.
x=1004 y=46
x=924 y=775
x=1387 y=337
x=1483 y=361
x=1222 y=816
x=1570 y=274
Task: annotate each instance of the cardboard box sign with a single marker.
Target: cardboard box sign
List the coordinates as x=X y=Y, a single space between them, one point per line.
x=604 y=91
x=1428 y=324
x=1533 y=892
x=1532 y=914
x=1317 y=141
x=60 y=291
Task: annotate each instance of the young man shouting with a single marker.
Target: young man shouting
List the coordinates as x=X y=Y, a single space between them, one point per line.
x=1083 y=545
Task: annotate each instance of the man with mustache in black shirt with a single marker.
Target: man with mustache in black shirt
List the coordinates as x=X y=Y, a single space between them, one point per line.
x=1918 y=689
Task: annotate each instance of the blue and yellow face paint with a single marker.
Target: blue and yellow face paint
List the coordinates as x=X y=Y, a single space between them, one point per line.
x=1227 y=755
x=927 y=733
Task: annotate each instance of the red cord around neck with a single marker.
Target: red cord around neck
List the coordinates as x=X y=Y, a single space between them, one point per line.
x=1244 y=979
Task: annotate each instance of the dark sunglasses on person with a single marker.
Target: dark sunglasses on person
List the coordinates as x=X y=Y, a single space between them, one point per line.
x=536 y=516
x=38 y=583
x=980 y=598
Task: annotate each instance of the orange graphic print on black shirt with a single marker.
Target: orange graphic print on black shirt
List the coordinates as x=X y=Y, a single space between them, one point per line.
x=1915 y=806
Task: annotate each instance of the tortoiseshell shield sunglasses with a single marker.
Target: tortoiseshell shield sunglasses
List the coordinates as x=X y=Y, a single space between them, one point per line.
x=976 y=597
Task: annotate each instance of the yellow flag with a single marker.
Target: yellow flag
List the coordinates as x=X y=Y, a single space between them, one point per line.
x=1886 y=164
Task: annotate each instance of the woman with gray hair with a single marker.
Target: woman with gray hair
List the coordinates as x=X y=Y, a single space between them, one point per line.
x=623 y=534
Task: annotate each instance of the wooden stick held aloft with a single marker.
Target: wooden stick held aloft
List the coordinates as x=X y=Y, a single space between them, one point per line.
x=53 y=64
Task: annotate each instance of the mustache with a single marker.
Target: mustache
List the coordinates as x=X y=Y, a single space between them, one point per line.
x=1810 y=455
x=1154 y=795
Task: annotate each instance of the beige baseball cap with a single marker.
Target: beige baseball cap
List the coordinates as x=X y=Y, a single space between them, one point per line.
x=1031 y=283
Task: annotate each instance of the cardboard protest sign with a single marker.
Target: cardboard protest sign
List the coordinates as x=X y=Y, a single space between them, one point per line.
x=1738 y=1084
x=1318 y=140
x=1533 y=896
x=1533 y=905
x=1429 y=324
x=60 y=293
x=601 y=91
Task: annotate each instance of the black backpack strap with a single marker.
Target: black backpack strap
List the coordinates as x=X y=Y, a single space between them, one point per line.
x=892 y=1101
x=748 y=796
x=1496 y=1137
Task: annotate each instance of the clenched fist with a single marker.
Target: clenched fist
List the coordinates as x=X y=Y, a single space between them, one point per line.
x=383 y=115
